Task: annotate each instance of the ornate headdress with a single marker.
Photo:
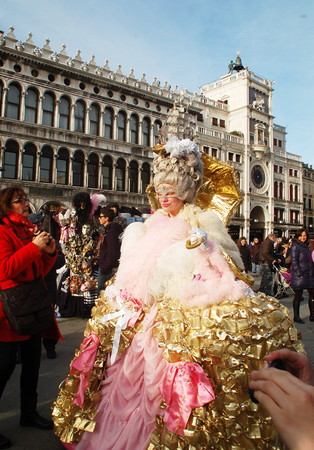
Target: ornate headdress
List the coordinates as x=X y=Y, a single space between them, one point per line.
x=218 y=192
x=179 y=163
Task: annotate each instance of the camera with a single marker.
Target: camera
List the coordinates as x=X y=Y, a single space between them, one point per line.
x=277 y=364
x=48 y=243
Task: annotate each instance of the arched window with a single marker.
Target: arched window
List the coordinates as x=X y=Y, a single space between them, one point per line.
x=92 y=170
x=120 y=175
x=291 y=192
x=157 y=126
x=276 y=189
x=31 y=105
x=108 y=123
x=133 y=176
x=146 y=130
x=63 y=166
x=64 y=113
x=12 y=110
x=107 y=173
x=45 y=164
x=48 y=106
x=11 y=158
x=29 y=162
x=121 y=124
x=280 y=189
x=78 y=169
x=79 y=116
x=296 y=197
x=134 y=128
x=94 y=120
x=145 y=176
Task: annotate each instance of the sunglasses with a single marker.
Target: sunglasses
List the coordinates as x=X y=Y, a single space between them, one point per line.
x=22 y=201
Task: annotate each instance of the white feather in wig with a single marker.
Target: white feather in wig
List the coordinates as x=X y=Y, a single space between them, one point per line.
x=97 y=200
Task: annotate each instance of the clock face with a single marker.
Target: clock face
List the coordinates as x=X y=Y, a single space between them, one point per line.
x=258 y=176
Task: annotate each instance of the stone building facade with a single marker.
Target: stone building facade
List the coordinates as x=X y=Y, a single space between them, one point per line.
x=270 y=177
x=308 y=198
x=67 y=125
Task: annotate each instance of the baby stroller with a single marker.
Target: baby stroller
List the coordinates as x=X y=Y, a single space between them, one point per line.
x=282 y=282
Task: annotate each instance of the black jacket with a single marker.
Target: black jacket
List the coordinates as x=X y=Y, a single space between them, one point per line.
x=246 y=257
x=302 y=271
x=109 y=252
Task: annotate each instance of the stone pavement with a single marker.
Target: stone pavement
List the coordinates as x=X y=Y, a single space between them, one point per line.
x=54 y=371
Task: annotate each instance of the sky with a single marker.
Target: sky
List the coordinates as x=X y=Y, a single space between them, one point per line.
x=188 y=43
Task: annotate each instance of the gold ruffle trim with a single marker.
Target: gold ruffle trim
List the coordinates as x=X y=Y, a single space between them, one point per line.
x=228 y=340
x=72 y=420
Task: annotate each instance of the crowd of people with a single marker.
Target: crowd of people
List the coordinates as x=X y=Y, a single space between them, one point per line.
x=177 y=333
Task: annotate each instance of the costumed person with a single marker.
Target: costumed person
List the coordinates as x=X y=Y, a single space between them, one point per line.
x=245 y=254
x=168 y=352
x=302 y=275
x=78 y=285
x=23 y=259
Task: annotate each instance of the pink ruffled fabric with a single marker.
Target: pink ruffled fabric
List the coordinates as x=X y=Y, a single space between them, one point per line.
x=137 y=264
x=130 y=396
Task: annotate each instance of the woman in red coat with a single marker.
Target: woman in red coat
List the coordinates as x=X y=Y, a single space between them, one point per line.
x=23 y=258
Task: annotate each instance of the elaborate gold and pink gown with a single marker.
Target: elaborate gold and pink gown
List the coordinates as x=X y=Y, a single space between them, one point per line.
x=168 y=352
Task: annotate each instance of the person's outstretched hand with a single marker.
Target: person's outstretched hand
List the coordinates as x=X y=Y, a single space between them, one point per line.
x=290 y=402
x=297 y=364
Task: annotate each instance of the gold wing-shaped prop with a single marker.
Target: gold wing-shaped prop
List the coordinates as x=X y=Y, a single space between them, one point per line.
x=219 y=191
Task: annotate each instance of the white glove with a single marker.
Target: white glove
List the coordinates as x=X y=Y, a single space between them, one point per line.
x=198 y=238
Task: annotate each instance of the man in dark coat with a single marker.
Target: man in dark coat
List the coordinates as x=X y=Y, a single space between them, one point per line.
x=267 y=258
x=109 y=251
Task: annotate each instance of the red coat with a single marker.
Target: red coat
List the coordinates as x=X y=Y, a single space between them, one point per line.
x=20 y=261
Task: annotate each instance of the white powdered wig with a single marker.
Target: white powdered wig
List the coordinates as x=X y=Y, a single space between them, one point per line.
x=181 y=167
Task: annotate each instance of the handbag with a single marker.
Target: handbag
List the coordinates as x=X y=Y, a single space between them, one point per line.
x=28 y=307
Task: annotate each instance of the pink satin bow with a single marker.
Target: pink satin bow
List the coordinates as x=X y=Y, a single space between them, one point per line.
x=184 y=387
x=84 y=363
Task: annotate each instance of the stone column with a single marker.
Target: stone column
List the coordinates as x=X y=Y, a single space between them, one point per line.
x=20 y=164
x=113 y=181
x=86 y=121
x=140 y=132
x=54 y=168
x=71 y=168
x=101 y=123
x=114 y=127
x=56 y=114
x=4 y=101
x=139 y=179
x=127 y=130
x=40 y=110
x=126 y=178
x=99 y=184
x=2 y=161
x=85 y=173
x=71 y=118
x=22 y=107
x=151 y=135
x=37 y=167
